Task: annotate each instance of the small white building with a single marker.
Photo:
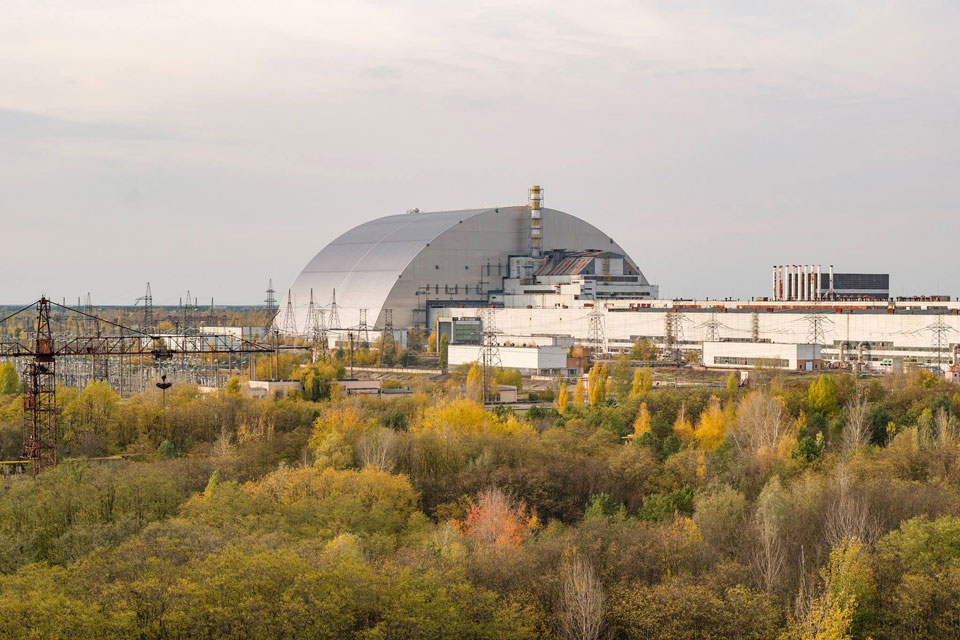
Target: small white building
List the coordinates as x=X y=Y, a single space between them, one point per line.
x=773 y=355
x=542 y=360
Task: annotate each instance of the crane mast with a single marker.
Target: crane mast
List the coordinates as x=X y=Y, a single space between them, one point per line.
x=40 y=433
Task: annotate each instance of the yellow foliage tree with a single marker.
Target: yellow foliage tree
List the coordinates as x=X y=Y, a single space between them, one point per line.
x=597 y=384
x=335 y=431
x=712 y=426
x=682 y=427
x=578 y=395
x=464 y=416
x=563 y=397
x=641 y=424
x=475 y=383
x=642 y=381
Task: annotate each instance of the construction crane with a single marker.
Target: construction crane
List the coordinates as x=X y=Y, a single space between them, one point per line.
x=43 y=350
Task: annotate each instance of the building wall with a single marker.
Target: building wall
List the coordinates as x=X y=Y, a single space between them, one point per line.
x=866 y=335
x=389 y=263
x=739 y=355
x=526 y=359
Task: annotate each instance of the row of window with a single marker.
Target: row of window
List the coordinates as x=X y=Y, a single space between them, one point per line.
x=749 y=362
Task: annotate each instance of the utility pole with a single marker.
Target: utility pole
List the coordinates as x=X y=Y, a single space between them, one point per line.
x=939 y=329
x=815 y=332
x=386 y=337
x=288 y=326
x=271 y=302
x=362 y=329
x=713 y=328
x=490 y=350
x=595 y=337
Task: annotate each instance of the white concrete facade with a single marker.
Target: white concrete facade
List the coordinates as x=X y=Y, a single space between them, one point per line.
x=774 y=355
x=544 y=360
x=856 y=332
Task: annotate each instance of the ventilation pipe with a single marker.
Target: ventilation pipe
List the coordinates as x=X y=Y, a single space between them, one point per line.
x=536 y=241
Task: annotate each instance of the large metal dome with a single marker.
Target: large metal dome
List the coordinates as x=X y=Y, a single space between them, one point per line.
x=403 y=262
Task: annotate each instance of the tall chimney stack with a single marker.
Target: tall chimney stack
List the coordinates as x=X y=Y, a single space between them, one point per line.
x=536 y=240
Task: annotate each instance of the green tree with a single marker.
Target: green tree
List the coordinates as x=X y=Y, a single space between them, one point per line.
x=443 y=350
x=733 y=383
x=621 y=375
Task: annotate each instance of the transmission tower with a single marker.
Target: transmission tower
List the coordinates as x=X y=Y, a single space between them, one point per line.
x=288 y=326
x=490 y=350
x=939 y=329
x=334 y=312
x=595 y=338
x=386 y=337
x=815 y=332
x=673 y=334
x=362 y=328
x=271 y=302
x=314 y=326
x=88 y=309
x=147 y=300
x=713 y=328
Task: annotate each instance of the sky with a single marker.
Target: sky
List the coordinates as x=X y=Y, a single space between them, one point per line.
x=209 y=145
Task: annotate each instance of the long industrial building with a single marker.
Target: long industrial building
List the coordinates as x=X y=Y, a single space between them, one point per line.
x=535 y=273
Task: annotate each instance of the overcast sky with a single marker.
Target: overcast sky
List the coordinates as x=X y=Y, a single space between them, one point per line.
x=211 y=145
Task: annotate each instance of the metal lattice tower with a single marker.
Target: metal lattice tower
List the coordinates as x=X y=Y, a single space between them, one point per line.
x=313 y=329
x=595 y=337
x=386 y=336
x=271 y=302
x=939 y=329
x=321 y=337
x=288 y=325
x=147 y=300
x=490 y=349
x=713 y=328
x=362 y=328
x=40 y=400
x=334 y=312
x=815 y=322
x=673 y=333
x=755 y=326
x=88 y=309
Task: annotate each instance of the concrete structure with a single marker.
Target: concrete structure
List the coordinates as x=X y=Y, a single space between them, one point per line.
x=410 y=262
x=899 y=332
x=272 y=388
x=773 y=355
x=547 y=278
x=507 y=393
x=808 y=283
x=354 y=387
x=528 y=360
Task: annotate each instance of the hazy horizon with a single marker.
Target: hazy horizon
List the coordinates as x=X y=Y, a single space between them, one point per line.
x=209 y=147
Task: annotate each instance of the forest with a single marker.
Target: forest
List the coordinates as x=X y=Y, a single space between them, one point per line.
x=791 y=507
